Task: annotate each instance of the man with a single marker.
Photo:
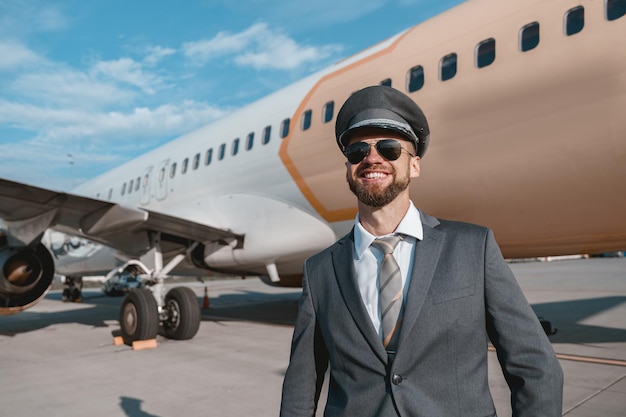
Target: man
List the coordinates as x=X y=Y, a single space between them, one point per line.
x=419 y=349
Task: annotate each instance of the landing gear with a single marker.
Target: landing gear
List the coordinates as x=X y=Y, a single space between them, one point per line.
x=73 y=289
x=144 y=309
x=183 y=314
x=139 y=316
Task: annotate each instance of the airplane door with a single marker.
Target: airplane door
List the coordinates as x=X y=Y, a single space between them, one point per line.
x=145 y=186
x=161 y=180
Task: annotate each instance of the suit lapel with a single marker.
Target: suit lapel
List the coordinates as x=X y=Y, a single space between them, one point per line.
x=426 y=257
x=346 y=279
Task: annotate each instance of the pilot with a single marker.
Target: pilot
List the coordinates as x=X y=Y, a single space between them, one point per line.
x=403 y=307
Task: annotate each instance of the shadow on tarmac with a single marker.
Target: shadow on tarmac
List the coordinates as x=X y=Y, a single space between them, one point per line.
x=132 y=407
x=95 y=309
x=254 y=306
x=566 y=316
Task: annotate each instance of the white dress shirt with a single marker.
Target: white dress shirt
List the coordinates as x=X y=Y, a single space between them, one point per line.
x=367 y=260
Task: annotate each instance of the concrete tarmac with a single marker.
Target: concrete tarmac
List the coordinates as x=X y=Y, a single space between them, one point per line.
x=58 y=359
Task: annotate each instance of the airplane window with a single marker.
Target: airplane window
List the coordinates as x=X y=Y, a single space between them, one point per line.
x=162 y=174
x=130 y=186
x=196 y=161
x=208 y=156
x=137 y=183
x=235 y=147
x=183 y=169
x=145 y=180
x=529 y=37
x=447 y=67
x=329 y=110
x=615 y=9
x=267 y=132
x=110 y=193
x=222 y=151
x=173 y=170
x=415 y=79
x=250 y=141
x=306 y=119
x=386 y=82
x=284 y=128
x=124 y=189
x=574 y=20
x=485 y=53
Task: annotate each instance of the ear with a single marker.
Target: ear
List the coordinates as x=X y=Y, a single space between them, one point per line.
x=414 y=167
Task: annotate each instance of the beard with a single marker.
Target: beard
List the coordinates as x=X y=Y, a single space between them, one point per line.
x=375 y=195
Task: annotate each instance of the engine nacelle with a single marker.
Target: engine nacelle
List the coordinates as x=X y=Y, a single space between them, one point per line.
x=26 y=275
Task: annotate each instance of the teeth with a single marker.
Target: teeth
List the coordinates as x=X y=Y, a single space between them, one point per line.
x=374 y=175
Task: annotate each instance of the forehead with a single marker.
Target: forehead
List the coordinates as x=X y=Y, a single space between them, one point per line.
x=369 y=133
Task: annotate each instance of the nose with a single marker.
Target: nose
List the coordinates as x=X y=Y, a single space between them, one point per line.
x=373 y=155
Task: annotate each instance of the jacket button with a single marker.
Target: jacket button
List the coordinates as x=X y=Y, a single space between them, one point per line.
x=396 y=379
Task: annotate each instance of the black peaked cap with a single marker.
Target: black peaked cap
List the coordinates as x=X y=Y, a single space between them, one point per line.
x=386 y=108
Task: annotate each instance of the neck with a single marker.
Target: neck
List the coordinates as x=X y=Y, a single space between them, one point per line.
x=381 y=221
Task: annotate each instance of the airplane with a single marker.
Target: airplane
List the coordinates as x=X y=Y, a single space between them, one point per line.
x=524 y=100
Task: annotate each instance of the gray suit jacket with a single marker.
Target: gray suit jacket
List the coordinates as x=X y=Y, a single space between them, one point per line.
x=462 y=294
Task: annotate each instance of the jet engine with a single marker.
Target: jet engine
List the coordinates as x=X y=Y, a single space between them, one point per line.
x=25 y=277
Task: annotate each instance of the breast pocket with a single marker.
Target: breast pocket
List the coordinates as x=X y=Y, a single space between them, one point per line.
x=455 y=294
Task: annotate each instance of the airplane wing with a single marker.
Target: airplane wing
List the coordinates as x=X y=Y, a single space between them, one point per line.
x=28 y=211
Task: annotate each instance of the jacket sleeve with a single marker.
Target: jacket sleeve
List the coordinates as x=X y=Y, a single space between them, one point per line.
x=528 y=362
x=308 y=362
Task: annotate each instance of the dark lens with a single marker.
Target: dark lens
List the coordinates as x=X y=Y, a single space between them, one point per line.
x=357 y=151
x=389 y=149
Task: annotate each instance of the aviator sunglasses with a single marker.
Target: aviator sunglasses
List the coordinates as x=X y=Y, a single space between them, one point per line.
x=390 y=149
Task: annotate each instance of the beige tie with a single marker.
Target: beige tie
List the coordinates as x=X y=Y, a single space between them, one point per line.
x=390 y=296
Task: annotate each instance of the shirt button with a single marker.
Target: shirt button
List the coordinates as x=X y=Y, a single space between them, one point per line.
x=396 y=379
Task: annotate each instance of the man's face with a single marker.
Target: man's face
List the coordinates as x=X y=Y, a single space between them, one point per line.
x=377 y=181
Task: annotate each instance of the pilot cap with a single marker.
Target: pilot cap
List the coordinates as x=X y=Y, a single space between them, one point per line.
x=386 y=108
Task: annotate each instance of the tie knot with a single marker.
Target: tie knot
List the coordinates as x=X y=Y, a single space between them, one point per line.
x=387 y=244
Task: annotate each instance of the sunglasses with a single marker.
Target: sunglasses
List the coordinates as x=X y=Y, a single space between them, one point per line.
x=390 y=149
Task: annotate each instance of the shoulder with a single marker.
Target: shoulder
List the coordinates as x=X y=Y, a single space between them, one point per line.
x=346 y=243
x=463 y=226
x=455 y=230
x=447 y=225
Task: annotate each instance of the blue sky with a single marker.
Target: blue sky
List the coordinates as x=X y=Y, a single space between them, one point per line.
x=88 y=85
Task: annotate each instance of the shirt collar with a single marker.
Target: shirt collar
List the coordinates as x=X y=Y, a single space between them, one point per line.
x=410 y=225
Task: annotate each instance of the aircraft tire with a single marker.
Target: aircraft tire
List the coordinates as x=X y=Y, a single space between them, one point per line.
x=139 y=317
x=183 y=314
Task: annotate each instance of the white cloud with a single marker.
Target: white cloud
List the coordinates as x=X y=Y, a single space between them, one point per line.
x=277 y=51
x=62 y=86
x=97 y=140
x=224 y=43
x=69 y=125
x=15 y=55
x=19 y=17
x=156 y=54
x=126 y=70
x=105 y=83
x=259 y=47
x=49 y=18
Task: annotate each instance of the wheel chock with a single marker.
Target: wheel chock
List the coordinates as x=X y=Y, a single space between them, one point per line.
x=118 y=341
x=144 y=344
